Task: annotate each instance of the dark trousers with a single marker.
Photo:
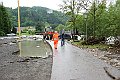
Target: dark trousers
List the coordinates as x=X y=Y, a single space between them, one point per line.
x=62 y=42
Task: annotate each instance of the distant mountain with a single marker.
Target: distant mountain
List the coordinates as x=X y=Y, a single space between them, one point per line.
x=30 y=16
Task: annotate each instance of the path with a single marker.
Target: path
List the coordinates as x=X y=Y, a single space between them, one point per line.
x=72 y=63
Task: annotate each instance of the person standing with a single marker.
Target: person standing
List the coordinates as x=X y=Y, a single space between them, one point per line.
x=62 y=39
x=55 y=38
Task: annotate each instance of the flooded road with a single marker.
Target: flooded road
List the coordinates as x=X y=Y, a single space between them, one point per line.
x=34 y=48
x=14 y=66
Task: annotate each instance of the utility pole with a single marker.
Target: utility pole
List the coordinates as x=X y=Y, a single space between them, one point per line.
x=19 y=31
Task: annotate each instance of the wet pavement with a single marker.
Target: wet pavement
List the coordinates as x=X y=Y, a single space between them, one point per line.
x=73 y=63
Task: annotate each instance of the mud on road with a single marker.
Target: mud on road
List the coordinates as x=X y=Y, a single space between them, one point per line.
x=109 y=56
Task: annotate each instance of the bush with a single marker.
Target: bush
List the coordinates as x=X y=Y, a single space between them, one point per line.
x=93 y=40
x=2 y=33
x=31 y=32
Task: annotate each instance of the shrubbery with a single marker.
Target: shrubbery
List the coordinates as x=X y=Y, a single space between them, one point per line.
x=2 y=33
x=93 y=40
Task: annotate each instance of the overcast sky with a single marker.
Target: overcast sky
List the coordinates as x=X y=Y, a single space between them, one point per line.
x=52 y=4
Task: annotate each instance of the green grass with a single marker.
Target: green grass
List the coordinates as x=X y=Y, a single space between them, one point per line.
x=27 y=34
x=99 y=46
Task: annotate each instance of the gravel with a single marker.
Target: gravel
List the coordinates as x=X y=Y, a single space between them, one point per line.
x=109 y=57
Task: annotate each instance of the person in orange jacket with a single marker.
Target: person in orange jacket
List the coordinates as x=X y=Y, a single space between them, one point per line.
x=55 y=38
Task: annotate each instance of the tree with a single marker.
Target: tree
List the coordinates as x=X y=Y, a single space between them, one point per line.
x=117 y=18
x=40 y=26
x=1 y=23
x=68 y=8
x=5 y=22
x=80 y=24
x=101 y=19
x=60 y=27
x=92 y=15
x=97 y=17
x=113 y=25
x=72 y=8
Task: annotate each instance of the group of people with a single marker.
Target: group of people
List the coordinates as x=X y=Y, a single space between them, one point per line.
x=55 y=38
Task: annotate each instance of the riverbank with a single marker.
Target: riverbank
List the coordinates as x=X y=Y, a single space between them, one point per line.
x=106 y=53
x=14 y=67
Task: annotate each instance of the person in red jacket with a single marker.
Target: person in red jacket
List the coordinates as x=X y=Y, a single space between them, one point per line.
x=55 y=38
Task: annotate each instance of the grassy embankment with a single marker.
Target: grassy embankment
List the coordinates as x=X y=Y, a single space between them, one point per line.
x=99 y=46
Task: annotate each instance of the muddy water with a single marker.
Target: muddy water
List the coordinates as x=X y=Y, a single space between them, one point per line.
x=33 y=48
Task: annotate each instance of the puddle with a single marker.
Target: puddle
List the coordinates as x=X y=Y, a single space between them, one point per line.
x=33 y=48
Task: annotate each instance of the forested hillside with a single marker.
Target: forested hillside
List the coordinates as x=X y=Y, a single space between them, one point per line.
x=30 y=16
